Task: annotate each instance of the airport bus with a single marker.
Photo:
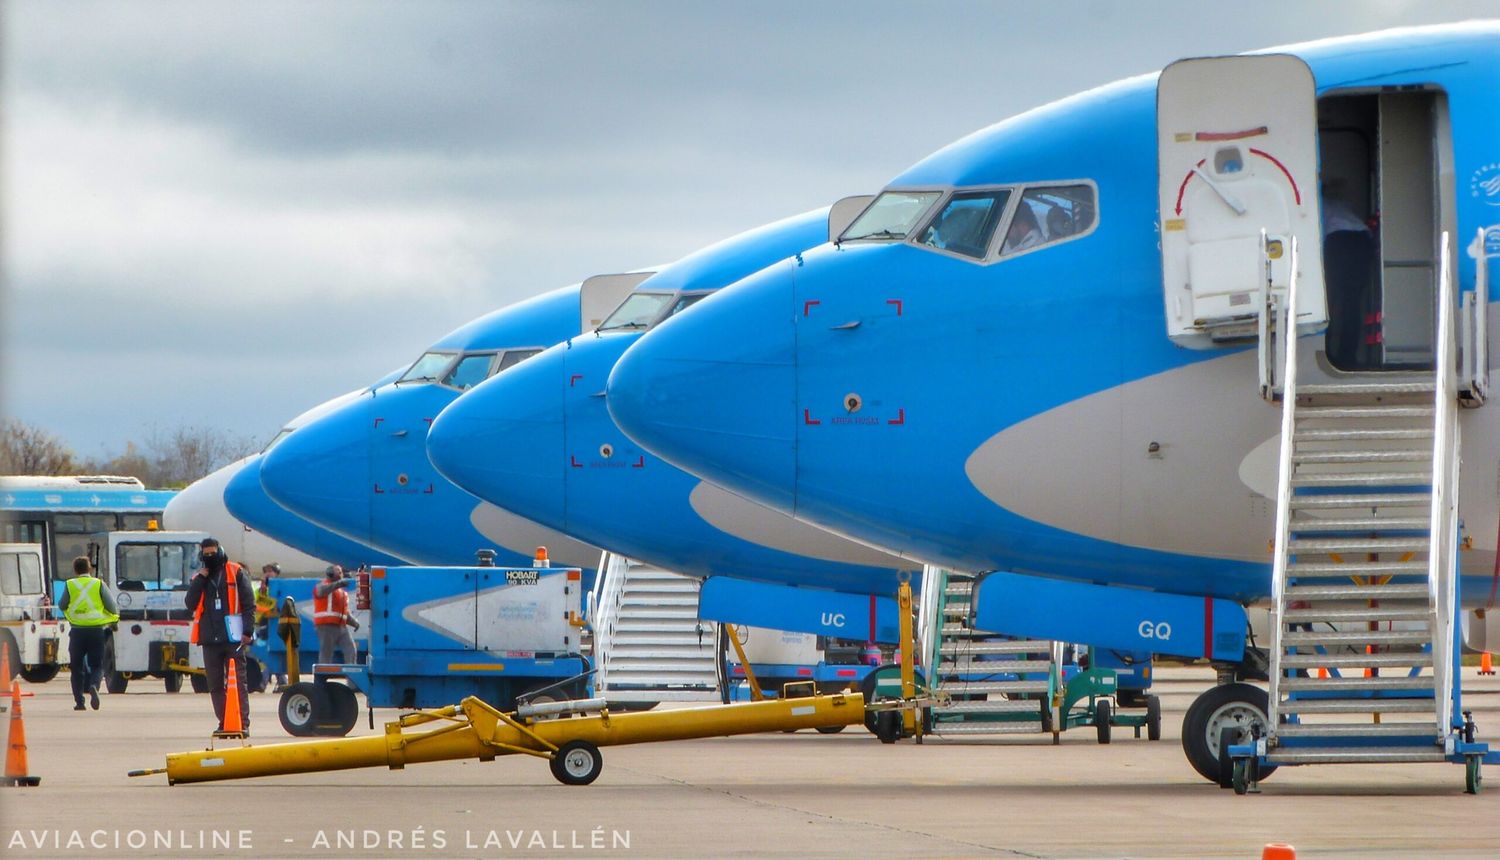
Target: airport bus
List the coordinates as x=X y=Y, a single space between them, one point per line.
x=72 y=516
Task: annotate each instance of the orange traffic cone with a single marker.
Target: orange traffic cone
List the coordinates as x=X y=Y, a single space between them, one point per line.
x=1278 y=851
x=234 y=723
x=5 y=678
x=15 y=750
x=1486 y=664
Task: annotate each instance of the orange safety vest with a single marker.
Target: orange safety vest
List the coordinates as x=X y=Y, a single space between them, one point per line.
x=232 y=572
x=331 y=607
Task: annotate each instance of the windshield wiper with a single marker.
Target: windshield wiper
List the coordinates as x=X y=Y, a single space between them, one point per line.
x=878 y=234
x=622 y=325
x=416 y=379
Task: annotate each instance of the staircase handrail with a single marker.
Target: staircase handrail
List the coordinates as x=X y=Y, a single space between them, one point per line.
x=1285 y=330
x=1441 y=558
x=613 y=570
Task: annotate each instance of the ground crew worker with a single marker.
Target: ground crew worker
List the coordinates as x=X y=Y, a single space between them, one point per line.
x=223 y=617
x=331 y=616
x=90 y=610
x=264 y=604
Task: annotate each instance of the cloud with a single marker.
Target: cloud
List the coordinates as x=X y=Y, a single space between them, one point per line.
x=279 y=201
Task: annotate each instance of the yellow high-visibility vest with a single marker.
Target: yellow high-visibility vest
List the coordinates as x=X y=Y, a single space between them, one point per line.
x=85 y=606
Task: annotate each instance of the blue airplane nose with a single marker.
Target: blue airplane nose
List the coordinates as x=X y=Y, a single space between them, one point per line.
x=503 y=439
x=714 y=391
x=321 y=472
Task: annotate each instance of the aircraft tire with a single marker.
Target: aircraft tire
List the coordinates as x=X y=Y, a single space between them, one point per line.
x=1222 y=707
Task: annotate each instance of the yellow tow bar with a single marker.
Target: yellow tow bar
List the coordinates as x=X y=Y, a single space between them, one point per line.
x=474 y=730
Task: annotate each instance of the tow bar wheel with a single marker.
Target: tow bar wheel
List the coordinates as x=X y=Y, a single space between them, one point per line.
x=296 y=709
x=577 y=763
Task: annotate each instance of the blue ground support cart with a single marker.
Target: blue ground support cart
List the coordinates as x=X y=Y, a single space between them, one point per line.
x=439 y=634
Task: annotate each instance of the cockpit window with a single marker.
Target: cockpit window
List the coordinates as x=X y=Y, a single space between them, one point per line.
x=429 y=367
x=966 y=224
x=514 y=357
x=281 y=434
x=685 y=302
x=470 y=371
x=892 y=215
x=637 y=312
x=1049 y=214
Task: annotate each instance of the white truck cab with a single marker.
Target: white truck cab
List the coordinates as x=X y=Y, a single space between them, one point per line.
x=32 y=631
x=148 y=572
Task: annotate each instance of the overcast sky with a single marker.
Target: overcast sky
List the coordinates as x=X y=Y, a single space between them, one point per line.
x=224 y=213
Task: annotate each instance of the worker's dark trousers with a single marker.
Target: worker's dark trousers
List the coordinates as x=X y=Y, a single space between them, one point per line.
x=86 y=658
x=216 y=659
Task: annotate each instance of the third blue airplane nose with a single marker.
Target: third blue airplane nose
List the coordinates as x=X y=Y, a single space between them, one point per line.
x=714 y=391
x=503 y=439
x=321 y=471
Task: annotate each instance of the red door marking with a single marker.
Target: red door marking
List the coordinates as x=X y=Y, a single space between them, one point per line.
x=378 y=420
x=897 y=303
x=807 y=305
x=900 y=417
x=574 y=461
x=1296 y=192
x=808 y=419
x=639 y=464
x=378 y=490
x=573 y=380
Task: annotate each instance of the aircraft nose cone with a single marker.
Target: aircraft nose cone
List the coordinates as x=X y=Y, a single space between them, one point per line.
x=503 y=440
x=714 y=391
x=321 y=471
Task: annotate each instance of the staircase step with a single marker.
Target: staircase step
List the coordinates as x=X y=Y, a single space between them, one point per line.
x=1367 y=388
x=982 y=727
x=1348 y=524
x=1346 y=685
x=649 y=656
x=994 y=706
x=1345 y=730
x=975 y=666
x=1344 y=434
x=1358 y=706
x=1362 y=479
x=1004 y=646
x=967 y=688
x=963 y=589
x=1319 y=413
x=654 y=601
x=1311 y=638
x=1356 y=755
x=1360 y=544
x=1346 y=660
x=1414 y=455
x=1308 y=569
x=1417 y=591
x=1369 y=613
x=1364 y=501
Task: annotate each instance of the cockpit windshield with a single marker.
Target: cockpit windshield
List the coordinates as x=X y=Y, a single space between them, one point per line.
x=281 y=434
x=966 y=224
x=469 y=371
x=637 y=312
x=428 y=368
x=892 y=216
x=685 y=302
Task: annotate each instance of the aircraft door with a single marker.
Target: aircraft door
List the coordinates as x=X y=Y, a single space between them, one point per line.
x=1237 y=154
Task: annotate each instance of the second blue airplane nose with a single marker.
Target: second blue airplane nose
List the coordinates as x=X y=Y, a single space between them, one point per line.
x=321 y=472
x=503 y=439
x=714 y=391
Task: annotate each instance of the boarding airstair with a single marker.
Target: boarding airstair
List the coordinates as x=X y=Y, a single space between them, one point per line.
x=989 y=683
x=1365 y=577
x=649 y=645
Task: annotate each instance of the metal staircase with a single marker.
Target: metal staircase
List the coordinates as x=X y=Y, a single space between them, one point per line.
x=649 y=645
x=1364 y=590
x=992 y=684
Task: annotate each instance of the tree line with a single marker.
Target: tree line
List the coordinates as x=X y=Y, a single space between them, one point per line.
x=166 y=459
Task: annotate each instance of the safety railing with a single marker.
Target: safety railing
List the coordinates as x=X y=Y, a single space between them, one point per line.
x=1285 y=326
x=1442 y=559
x=1474 y=307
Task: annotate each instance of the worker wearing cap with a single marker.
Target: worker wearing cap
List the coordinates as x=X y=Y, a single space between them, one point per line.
x=331 y=616
x=223 y=607
x=90 y=610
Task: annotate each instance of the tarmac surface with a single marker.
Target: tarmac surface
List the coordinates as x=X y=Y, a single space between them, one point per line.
x=780 y=795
